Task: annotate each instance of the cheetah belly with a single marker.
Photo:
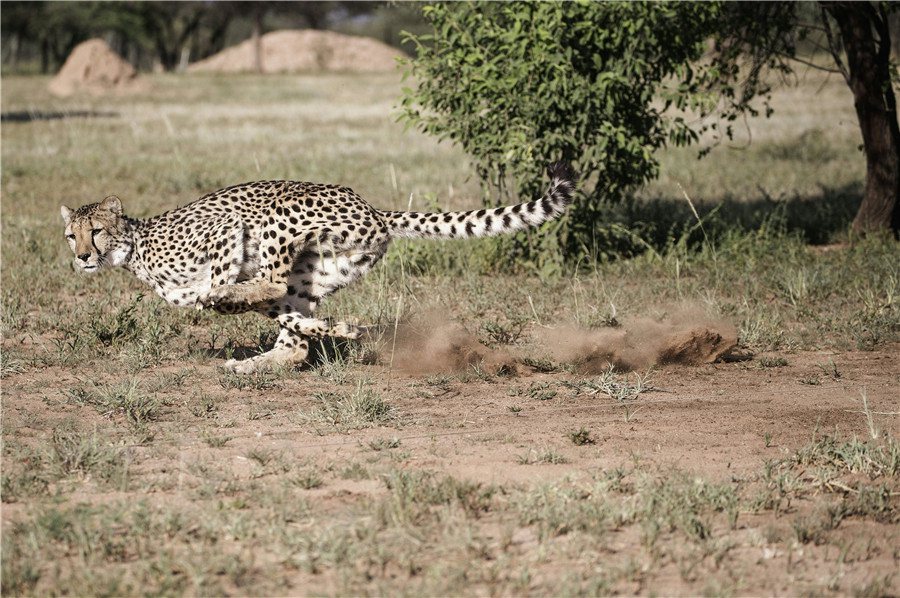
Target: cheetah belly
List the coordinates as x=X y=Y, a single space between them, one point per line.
x=184 y=288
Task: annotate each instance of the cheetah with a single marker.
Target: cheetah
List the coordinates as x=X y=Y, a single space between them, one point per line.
x=278 y=248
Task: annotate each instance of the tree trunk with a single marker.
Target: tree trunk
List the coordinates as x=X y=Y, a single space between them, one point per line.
x=184 y=58
x=257 y=39
x=45 y=56
x=13 y=56
x=217 y=37
x=868 y=66
x=166 y=56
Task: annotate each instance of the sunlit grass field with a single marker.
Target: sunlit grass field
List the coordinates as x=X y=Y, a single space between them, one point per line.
x=101 y=380
x=799 y=179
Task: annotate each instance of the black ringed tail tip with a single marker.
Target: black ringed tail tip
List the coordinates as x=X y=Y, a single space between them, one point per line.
x=562 y=170
x=490 y=222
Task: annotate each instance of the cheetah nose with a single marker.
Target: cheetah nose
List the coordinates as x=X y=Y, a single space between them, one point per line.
x=84 y=257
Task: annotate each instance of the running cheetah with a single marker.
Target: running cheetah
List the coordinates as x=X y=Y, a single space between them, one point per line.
x=277 y=248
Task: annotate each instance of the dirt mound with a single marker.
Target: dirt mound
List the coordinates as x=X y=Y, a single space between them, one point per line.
x=94 y=68
x=686 y=337
x=292 y=51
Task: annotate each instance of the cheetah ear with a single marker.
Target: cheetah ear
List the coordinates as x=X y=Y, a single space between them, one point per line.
x=112 y=204
x=66 y=214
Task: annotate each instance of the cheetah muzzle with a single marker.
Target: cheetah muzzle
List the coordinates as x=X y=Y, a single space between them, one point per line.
x=278 y=248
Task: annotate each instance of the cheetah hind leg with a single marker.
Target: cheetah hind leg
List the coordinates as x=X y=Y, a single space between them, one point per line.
x=320 y=328
x=290 y=349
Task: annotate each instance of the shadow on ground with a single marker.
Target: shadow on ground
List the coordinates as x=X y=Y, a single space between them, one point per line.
x=634 y=224
x=326 y=350
x=24 y=116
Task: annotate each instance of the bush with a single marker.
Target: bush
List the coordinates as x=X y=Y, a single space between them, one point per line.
x=521 y=84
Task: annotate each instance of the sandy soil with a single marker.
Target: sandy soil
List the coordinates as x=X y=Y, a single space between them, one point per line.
x=709 y=419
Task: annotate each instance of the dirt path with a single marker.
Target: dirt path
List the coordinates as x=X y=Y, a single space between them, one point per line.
x=717 y=420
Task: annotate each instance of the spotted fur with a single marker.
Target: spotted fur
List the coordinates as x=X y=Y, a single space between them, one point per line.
x=278 y=248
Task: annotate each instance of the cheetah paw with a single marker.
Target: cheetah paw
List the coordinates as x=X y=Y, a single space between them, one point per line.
x=276 y=359
x=242 y=366
x=217 y=296
x=345 y=330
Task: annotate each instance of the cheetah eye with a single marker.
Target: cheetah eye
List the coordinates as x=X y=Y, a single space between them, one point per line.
x=94 y=231
x=70 y=236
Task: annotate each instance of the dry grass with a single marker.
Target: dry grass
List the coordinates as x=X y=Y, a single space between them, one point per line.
x=132 y=466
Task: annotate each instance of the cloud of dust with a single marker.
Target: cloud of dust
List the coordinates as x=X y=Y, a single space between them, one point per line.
x=684 y=336
x=431 y=344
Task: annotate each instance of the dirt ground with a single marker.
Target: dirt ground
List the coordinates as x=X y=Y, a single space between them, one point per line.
x=720 y=422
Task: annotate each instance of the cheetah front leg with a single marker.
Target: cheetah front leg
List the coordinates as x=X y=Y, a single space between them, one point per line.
x=242 y=296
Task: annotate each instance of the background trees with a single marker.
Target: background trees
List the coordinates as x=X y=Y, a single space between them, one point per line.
x=850 y=38
x=166 y=35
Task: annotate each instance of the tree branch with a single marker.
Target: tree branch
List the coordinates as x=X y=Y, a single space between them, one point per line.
x=832 y=45
x=811 y=64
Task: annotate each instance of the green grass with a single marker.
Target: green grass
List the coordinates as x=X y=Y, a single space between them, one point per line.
x=76 y=452
x=581 y=437
x=308 y=479
x=126 y=398
x=68 y=458
x=425 y=525
x=543 y=455
x=262 y=381
x=192 y=141
x=360 y=408
x=619 y=387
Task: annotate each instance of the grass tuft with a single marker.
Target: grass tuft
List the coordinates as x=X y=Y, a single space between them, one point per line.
x=125 y=397
x=581 y=437
x=74 y=451
x=361 y=408
x=545 y=455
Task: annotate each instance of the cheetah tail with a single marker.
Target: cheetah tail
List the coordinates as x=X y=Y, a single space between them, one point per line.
x=488 y=222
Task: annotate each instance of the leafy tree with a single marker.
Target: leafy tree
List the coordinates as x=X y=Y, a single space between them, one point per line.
x=172 y=26
x=866 y=37
x=17 y=28
x=521 y=83
x=856 y=39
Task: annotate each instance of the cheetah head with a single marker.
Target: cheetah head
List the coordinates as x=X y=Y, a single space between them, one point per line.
x=96 y=234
